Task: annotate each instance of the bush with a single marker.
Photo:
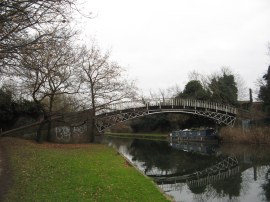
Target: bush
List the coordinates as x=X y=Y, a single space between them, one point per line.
x=255 y=135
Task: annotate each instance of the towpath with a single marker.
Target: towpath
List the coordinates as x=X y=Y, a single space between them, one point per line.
x=5 y=172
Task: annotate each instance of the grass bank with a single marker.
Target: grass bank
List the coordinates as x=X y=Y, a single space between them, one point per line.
x=146 y=136
x=88 y=172
x=255 y=135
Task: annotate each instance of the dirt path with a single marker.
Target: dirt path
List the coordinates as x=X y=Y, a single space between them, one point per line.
x=5 y=172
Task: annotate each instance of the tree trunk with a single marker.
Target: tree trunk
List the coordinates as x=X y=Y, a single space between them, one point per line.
x=49 y=128
x=39 y=137
x=49 y=117
x=92 y=126
x=92 y=134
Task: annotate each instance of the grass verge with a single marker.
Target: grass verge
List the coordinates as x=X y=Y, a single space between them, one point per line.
x=139 y=135
x=88 y=172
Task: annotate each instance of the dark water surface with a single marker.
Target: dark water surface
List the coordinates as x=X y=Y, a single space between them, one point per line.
x=201 y=172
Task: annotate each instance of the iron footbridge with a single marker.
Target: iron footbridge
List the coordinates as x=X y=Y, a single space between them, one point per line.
x=114 y=113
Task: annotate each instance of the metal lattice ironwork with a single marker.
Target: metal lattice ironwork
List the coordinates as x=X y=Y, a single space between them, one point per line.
x=120 y=112
x=222 y=167
x=200 y=181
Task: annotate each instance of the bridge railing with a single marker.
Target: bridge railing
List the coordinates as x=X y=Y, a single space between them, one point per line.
x=122 y=106
x=168 y=102
x=192 y=103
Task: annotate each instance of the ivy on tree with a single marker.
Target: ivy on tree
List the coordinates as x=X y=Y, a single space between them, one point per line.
x=264 y=93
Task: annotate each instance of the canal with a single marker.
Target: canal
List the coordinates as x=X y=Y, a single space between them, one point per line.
x=201 y=172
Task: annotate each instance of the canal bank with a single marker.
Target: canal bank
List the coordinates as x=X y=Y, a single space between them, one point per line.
x=129 y=163
x=5 y=173
x=73 y=172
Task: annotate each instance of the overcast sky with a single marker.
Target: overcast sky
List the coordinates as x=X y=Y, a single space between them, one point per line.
x=159 y=42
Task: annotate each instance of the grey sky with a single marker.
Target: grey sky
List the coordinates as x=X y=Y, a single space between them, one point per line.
x=159 y=42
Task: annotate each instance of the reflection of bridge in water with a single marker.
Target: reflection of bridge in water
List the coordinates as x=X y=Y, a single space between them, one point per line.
x=220 y=171
x=115 y=113
x=201 y=181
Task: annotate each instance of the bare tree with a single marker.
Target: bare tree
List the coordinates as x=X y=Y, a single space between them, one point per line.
x=103 y=81
x=173 y=91
x=204 y=79
x=46 y=72
x=169 y=92
x=25 y=23
x=242 y=90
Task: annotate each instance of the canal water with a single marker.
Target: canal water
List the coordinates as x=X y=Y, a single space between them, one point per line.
x=201 y=172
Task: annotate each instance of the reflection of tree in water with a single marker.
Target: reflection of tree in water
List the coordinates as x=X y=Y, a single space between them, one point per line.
x=161 y=155
x=266 y=185
x=152 y=153
x=231 y=186
x=252 y=156
x=198 y=190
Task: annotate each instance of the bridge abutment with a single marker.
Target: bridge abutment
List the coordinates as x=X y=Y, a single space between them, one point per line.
x=73 y=128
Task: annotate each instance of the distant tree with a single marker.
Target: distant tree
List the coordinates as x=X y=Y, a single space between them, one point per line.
x=156 y=122
x=11 y=109
x=102 y=81
x=223 y=88
x=7 y=106
x=166 y=93
x=195 y=75
x=195 y=90
x=66 y=102
x=264 y=92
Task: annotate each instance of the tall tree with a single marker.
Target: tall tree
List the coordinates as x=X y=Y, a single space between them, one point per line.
x=46 y=72
x=223 y=88
x=195 y=90
x=264 y=93
x=103 y=81
x=24 y=23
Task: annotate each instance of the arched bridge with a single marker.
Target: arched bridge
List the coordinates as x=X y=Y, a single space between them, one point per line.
x=120 y=112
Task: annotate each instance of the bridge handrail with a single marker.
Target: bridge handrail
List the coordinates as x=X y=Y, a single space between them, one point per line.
x=168 y=102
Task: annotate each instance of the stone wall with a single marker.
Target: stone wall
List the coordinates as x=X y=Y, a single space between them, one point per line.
x=75 y=127
x=72 y=128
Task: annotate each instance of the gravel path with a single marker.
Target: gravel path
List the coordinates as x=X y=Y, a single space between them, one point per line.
x=5 y=172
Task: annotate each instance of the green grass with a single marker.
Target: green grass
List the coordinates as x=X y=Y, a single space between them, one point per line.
x=145 y=136
x=138 y=134
x=89 y=172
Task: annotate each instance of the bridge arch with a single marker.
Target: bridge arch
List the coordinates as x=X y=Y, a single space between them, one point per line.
x=120 y=112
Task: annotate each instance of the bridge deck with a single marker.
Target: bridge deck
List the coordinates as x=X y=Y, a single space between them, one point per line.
x=114 y=113
x=170 y=103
